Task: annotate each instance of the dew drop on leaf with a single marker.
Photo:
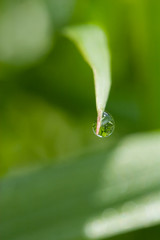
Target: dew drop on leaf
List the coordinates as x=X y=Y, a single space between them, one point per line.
x=107 y=126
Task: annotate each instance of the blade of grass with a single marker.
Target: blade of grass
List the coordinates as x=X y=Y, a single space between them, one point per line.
x=92 y=43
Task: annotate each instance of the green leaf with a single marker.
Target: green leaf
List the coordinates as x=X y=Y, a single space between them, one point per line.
x=92 y=43
x=96 y=195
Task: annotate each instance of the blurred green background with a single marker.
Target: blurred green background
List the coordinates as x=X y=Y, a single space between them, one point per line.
x=47 y=107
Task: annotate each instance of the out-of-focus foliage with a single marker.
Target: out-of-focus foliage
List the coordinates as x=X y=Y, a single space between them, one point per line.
x=47 y=107
x=25 y=31
x=27 y=28
x=95 y=195
x=60 y=11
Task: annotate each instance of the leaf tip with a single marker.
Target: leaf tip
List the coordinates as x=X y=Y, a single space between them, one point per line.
x=99 y=119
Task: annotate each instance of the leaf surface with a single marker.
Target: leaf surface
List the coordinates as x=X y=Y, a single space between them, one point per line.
x=92 y=43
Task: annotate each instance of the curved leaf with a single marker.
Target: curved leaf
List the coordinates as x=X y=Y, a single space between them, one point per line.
x=92 y=43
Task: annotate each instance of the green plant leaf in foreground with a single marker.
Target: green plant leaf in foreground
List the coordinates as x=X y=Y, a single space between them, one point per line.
x=92 y=43
x=98 y=195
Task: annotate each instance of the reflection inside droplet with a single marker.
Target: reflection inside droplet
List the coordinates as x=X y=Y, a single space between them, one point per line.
x=107 y=126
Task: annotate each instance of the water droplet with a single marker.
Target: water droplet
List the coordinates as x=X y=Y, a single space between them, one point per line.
x=107 y=126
